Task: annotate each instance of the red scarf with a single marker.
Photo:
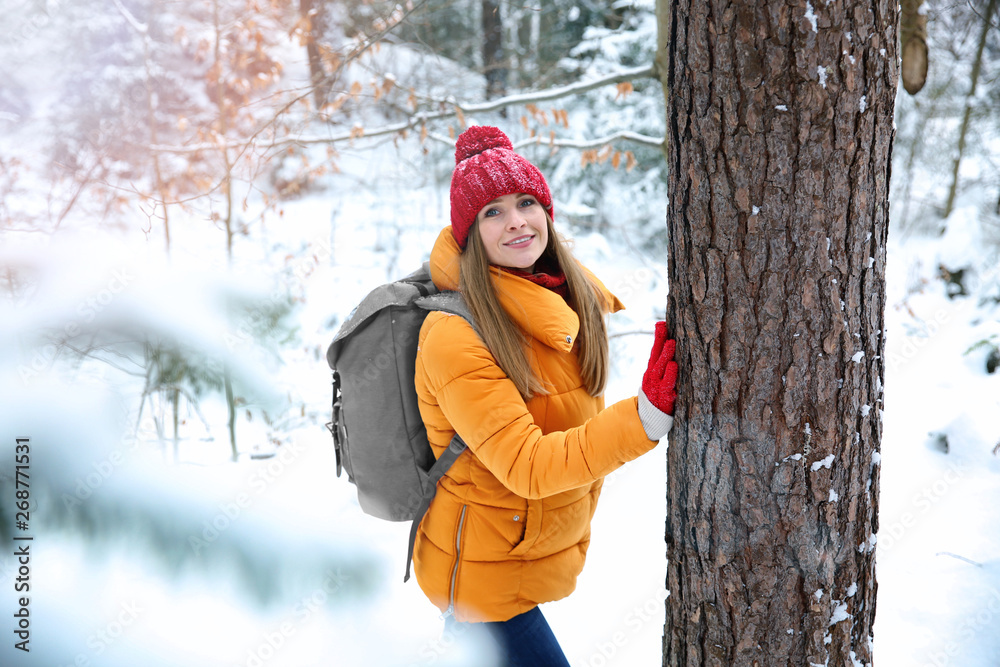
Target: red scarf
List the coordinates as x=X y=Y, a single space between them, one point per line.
x=547 y=274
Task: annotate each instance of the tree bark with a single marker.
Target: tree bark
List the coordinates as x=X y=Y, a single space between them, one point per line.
x=780 y=129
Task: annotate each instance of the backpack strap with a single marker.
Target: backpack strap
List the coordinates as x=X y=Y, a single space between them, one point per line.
x=440 y=467
x=449 y=302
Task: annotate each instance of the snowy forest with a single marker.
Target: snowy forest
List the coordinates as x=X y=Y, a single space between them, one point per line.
x=195 y=195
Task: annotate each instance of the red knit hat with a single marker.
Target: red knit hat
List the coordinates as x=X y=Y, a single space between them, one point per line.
x=486 y=167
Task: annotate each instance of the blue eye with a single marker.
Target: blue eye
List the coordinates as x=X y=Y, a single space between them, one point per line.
x=526 y=202
x=491 y=213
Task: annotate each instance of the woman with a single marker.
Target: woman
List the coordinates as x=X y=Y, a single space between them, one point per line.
x=510 y=524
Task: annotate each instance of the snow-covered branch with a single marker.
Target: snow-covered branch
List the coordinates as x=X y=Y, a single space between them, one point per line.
x=359 y=133
x=625 y=135
x=139 y=27
x=454 y=108
x=556 y=93
x=621 y=334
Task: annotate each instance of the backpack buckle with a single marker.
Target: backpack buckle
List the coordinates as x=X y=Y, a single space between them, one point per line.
x=336 y=426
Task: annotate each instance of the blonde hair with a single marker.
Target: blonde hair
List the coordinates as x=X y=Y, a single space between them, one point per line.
x=505 y=339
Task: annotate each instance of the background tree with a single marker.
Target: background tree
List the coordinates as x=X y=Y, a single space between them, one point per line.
x=780 y=128
x=944 y=125
x=314 y=17
x=913 y=45
x=496 y=73
x=985 y=29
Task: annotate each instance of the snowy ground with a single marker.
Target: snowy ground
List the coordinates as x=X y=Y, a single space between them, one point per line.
x=938 y=559
x=271 y=562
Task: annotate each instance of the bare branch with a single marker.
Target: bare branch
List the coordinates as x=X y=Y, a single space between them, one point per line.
x=631 y=333
x=192 y=403
x=356 y=53
x=962 y=558
x=90 y=352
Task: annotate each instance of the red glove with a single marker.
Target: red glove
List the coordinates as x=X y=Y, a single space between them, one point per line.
x=660 y=379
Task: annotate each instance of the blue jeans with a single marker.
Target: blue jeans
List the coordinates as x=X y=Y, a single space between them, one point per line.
x=524 y=641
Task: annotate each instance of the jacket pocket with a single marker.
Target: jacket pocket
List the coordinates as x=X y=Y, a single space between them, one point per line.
x=531 y=517
x=520 y=519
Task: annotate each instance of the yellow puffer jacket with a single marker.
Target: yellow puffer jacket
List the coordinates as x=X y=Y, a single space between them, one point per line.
x=510 y=524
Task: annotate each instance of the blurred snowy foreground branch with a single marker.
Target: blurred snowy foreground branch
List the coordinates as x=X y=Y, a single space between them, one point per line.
x=114 y=524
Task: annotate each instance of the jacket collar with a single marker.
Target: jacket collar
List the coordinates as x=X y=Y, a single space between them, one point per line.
x=538 y=311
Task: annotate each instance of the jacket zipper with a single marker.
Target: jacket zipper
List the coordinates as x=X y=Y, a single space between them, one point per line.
x=454 y=570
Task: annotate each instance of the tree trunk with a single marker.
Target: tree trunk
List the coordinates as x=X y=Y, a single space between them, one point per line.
x=534 y=46
x=314 y=11
x=779 y=142
x=175 y=403
x=227 y=381
x=496 y=73
x=661 y=60
x=970 y=101
x=913 y=45
x=227 y=191
x=148 y=66
x=223 y=129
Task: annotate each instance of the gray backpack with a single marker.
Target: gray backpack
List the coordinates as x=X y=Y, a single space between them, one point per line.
x=378 y=435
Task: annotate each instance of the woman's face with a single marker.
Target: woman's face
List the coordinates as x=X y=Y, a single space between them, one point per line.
x=514 y=231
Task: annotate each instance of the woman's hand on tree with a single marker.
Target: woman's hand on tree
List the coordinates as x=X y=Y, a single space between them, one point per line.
x=659 y=382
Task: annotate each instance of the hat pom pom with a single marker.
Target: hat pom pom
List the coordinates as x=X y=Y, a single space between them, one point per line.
x=479 y=138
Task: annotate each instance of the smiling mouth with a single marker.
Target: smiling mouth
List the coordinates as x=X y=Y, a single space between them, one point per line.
x=519 y=241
